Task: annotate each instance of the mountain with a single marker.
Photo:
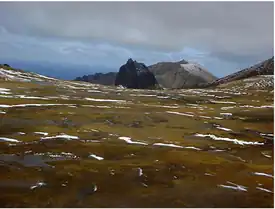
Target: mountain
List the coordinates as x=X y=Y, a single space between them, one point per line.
x=99 y=78
x=180 y=74
x=135 y=75
x=8 y=73
x=263 y=68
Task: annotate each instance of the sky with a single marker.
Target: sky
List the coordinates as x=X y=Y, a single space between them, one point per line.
x=224 y=37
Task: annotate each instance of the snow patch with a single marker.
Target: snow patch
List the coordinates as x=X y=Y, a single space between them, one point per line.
x=167 y=145
x=263 y=174
x=62 y=136
x=8 y=139
x=129 y=141
x=178 y=113
x=96 y=157
x=235 y=141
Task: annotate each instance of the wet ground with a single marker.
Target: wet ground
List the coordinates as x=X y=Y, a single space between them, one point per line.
x=82 y=145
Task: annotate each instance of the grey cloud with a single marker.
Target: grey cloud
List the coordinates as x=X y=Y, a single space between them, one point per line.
x=232 y=27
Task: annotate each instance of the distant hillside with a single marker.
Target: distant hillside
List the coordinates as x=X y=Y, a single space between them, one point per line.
x=65 y=71
x=264 y=68
x=99 y=78
x=180 y=74
x=9 y=73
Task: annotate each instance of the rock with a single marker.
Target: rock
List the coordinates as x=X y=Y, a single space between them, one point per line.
x=135 y=75
x=99 y=78
x=180 y=74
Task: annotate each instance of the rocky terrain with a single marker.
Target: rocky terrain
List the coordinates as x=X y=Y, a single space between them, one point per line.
x=99 y=78
x=135 y=75
x=168 y=75
x=181 y=74
x=263 y=68
x=77 y=144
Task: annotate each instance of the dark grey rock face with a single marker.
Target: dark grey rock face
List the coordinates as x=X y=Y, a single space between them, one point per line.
x=99 y=78
x=135 y=75
x=180 y=74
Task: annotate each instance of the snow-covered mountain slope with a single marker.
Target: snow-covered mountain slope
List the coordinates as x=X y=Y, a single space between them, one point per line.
x=197 y=70
x=263 y=68
x=11 y=74
x=259 y=82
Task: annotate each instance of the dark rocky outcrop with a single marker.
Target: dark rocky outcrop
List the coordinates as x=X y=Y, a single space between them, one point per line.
x=135 y=75
x=99 y=78
x=180 y=74
x=264 y=68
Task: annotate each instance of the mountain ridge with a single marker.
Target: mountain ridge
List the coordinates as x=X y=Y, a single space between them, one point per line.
x=265 y=67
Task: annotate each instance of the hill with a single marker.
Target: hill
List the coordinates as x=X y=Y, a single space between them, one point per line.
x=263 y=68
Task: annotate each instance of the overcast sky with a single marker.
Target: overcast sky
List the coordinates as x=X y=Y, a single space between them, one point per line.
x=222 y=36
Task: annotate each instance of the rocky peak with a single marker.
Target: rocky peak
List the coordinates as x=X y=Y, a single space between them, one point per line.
x=135 y=75
x=130 y=61
x=183 y=62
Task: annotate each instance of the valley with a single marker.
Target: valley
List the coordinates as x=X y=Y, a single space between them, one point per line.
x=77 y=144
